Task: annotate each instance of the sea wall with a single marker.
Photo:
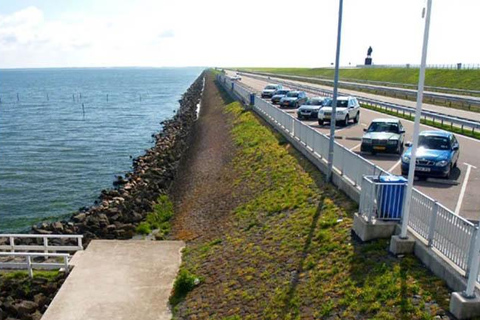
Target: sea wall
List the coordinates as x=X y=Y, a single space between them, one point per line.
x=118 y=210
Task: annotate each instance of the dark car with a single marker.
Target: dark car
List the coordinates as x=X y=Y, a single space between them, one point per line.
x=270 y=89
x=293 y=99
x=437 y=154
x=383 y=135
x=278 y=95
x=310 y=108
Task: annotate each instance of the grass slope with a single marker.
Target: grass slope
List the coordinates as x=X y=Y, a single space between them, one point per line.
x=459 y=79
x=290 y=254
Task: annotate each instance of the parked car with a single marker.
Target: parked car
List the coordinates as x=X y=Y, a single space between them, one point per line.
x=437 y=154
x=236 y=77
x=293 y=99
x=270 y=89
x=347 y=108
x=279 y=94
x=383 y=135
x=310 y=108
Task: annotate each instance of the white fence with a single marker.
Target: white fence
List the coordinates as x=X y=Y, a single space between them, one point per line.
x=47 y=244
x=450 y=234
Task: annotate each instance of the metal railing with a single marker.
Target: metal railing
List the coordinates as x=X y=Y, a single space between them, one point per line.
x=453 y=236
x=47 y=242
x=435 y=117
x=30 y=264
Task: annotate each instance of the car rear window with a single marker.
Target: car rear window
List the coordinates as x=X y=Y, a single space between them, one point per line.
x=270 y=87
x=292 y=94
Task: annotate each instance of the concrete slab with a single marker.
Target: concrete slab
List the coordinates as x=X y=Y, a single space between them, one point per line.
x=401 y=246
x=377 y=229
x=464 y=308
x=115 y=279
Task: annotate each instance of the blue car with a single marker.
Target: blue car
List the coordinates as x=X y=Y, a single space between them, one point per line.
x=437 y=154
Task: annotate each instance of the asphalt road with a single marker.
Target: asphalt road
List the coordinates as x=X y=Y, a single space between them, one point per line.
x=407 y=103
x=459 y=194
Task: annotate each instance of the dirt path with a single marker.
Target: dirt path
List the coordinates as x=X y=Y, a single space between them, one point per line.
x=202 y=190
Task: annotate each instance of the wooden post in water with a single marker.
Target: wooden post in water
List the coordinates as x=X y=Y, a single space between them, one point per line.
x=140 y=98
x=48 y=98
x=73 y=97
x=83 y=111
x=18 y=98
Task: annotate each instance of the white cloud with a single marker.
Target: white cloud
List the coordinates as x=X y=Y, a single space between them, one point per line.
x=247 y=33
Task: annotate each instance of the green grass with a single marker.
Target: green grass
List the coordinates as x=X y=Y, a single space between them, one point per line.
x=184 y=283
x=435 y=124
x=158 y=219
x=458 y=79
x=290 y=253
x=37 y=274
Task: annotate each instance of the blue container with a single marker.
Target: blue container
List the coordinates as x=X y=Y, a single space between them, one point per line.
x=390 y=201
x=252 y=99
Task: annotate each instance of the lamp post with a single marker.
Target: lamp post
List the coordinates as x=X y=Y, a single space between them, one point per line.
x=416 y=126
x=335 y=93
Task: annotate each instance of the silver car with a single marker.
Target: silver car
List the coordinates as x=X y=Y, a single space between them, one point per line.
x=310 y=108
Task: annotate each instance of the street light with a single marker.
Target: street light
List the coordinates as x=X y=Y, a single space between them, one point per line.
x=333 y=117
x=416 y=126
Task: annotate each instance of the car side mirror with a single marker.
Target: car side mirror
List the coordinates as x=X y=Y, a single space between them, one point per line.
x=455 y=147
x=402 y=131
x=408 y=144
x=364 y=129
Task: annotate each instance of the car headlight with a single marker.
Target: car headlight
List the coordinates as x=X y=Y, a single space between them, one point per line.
x=393 y=142
x=441 y=163
x=406 y=159
x=367 y=141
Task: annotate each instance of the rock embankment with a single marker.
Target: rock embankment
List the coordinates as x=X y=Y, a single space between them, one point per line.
x=118 y=210
x=25 y=298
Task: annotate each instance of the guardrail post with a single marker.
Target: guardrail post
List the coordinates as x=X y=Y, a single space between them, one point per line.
x=473 y=267
x=252 y=99
x=80 y=245
x=45 y=245
x=372 y=202
x=433 y=221
x=65 y=263
x=29 y=266
x=12 y=244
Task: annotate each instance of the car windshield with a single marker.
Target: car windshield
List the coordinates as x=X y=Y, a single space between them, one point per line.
x=314 y=102
x=292 y=94
x=383 y=127
x=270 y=87
x=434 y=142
x=340 y=103
x=282 y=92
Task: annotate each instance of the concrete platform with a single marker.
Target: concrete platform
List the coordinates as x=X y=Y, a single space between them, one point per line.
x=115 y=279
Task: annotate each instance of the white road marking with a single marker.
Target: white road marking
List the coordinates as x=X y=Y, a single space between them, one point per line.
x=395 y=166
x=358 y=145
x=464 y=187
x=364 y=124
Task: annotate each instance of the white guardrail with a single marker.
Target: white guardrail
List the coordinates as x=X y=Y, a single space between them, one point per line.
x=47 y=244
x=435 y=117
x=450 y=234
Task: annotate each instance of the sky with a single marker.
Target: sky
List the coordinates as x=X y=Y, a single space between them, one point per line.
x=247 y=33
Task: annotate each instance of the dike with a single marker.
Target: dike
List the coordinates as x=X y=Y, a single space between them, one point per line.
x=120 y=209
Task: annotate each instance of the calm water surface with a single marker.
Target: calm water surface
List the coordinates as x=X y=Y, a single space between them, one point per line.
x=69 y=132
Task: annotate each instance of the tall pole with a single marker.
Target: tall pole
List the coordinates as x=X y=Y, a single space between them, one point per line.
x=416 y=126
x=333 y=117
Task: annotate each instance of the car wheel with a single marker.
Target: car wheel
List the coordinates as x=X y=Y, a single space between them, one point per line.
x=320 y=122
x=345 y=122
x=449 y=173
x=357 y=117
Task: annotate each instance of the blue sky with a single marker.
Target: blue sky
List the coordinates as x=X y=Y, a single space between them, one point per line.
x=102 y=33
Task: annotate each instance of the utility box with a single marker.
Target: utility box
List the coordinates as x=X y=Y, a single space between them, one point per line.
x=390 y=197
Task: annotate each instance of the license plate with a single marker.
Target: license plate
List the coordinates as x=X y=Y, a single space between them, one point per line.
x=423 y=169
x=306 y=113
x=379 y=148
x=286 y=102
x=327 y=117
